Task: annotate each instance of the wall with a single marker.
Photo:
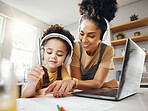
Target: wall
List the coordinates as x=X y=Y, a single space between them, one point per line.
x=122 y=16
x=73 y=28
x=21 y=16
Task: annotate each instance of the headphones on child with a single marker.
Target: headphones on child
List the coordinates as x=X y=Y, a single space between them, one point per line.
x=67 y=60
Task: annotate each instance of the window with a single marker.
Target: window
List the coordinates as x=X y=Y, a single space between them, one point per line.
x=23 y=46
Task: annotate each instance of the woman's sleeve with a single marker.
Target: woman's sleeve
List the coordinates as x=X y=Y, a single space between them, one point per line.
x=107 y=58
x=76 y=55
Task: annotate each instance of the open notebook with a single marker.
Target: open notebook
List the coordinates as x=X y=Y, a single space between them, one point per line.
x=130 y=79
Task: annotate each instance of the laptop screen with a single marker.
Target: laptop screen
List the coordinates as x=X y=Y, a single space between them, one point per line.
x=132 y=68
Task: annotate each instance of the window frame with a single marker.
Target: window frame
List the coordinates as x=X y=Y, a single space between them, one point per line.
x=2 y=30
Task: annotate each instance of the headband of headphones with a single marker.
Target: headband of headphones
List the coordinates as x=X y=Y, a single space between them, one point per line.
x=57 y=35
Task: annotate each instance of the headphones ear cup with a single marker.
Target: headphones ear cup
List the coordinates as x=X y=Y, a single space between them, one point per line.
x=42 y=54
x=107 y=35
x=67 y=60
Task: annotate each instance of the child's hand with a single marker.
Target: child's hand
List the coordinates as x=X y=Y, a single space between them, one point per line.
x=35 y=74
x=60 y=88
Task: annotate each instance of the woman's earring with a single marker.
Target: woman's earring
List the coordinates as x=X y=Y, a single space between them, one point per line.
x=99 y=41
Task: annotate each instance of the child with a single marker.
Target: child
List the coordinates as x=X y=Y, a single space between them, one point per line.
x=57 y=46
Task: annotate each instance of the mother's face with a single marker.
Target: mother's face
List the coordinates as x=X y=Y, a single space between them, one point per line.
x=89 y=36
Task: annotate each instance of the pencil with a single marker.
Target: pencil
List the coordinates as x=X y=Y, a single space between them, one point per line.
x=62 y=109
x=40 y=60
x=58 y=108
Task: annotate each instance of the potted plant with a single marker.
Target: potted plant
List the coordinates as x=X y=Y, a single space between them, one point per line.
x=137 y=34
x=120 y=35
x=133 y=17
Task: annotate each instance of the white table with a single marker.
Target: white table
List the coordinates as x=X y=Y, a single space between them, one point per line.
x=137 y=102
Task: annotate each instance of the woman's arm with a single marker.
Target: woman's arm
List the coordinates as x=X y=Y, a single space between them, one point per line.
x=62 y=87
x=75 y=72
x=97 y=82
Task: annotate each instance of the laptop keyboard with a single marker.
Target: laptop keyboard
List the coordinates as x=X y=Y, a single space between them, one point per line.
x=110 y=92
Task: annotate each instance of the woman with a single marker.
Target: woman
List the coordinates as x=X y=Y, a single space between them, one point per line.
x=92 y=59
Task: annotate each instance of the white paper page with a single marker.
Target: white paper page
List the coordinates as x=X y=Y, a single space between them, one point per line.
x=34 y=104
x=72 y=103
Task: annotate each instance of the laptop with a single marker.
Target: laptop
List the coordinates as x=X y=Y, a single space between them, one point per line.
x=130 y=79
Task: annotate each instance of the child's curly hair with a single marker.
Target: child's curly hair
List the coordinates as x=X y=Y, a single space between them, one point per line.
x=97 y=10
x=60 y=30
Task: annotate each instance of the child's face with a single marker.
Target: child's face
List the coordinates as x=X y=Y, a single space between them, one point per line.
x=55 y=53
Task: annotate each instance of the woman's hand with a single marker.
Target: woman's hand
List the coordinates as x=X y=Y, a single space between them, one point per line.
x=60 y=88
x=110 y=84
x=34 y=74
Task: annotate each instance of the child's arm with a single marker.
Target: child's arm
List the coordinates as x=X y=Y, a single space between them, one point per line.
x=34 y=75
x=41 y=91
x=29 y=91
